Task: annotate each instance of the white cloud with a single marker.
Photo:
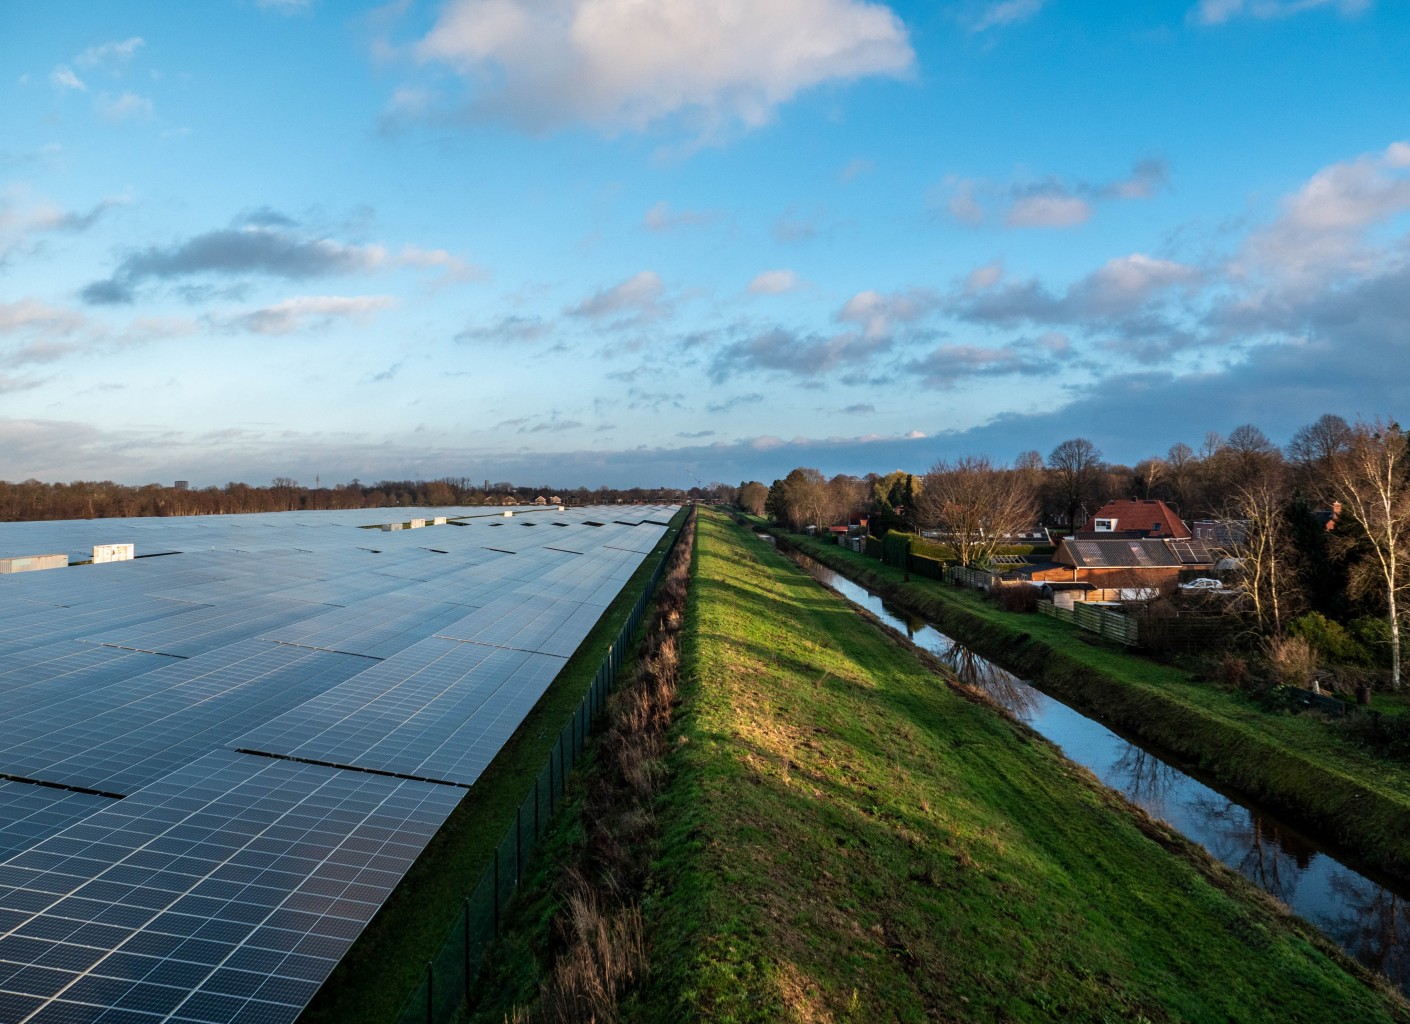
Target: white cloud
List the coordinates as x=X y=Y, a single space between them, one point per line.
x=455 y=269
x=28 y=315
x=662 y=218
x=127 y=107
x=639 y=297
x=1323 y=227
x=626 y=65
x=877 y=313
x=774 y=282
x=1008 y=12
x=1217 y=12
x=311 y=311
x=108 y=54
x=981 y=278
x=1050 y=202
x=1049 y=210
x=63 y=78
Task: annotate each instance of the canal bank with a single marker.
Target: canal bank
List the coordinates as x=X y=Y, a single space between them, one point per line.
x=1290 y=764
x=845 y=840
x=1362 y=914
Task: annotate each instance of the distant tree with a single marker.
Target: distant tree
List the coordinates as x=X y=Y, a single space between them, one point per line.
x=774 y=504
x=1181 y=475
x=806 y=500
x=752 y=496
x=1148 y=474
x=1371 y=479
x=1075 y=476
x=975 y=506
x=1314 y=447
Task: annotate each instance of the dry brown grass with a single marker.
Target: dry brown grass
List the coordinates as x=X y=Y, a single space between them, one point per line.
x=599 y=935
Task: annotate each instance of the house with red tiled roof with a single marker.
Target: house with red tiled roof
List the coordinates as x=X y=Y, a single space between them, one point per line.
x=1144 y=518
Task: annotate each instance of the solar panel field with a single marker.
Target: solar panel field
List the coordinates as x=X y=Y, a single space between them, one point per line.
x=216 y=765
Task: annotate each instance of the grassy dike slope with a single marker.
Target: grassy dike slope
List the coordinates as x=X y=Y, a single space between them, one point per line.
x=1294 y=763
x=847 y=839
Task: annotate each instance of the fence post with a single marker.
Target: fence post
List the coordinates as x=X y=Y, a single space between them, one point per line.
x=550 y=779
x=496 y=891
x=536 y=802
x=467 y=950
x=518 y=843
x=430 y=992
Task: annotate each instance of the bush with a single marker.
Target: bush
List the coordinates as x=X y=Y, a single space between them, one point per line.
x=1373 y=634
x=1015 y=597
x=1292 y=659
x=1232 y=672
x=1328 y=638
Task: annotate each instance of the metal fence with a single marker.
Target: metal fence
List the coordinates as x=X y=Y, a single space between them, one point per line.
x=451 y=974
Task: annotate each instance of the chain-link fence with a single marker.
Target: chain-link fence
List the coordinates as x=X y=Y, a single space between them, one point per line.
x=449 y=976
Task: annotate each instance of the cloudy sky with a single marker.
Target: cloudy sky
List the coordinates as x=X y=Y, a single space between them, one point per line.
x=616 y=242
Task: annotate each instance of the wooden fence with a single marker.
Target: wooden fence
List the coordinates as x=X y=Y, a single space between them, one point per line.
x=1102 y=621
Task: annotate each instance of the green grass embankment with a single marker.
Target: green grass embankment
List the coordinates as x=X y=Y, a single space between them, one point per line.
x=846 y=839
x=372 y=982
x=1294 y=764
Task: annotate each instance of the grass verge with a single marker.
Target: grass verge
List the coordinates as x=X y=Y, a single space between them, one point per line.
x=1294 y=764
x=376 y=977
x=572 y=948
x=846 y=839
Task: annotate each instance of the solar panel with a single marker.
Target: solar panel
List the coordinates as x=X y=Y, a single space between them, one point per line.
x=227 y=882
x=414 y=714
x=121 y=736
x=30 y=813
x=226 y=892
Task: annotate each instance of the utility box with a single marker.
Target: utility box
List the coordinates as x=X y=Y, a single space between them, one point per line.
x=416 y=524
x=30 y=563
x=388 y=527
x=438 y=521
x=508 y=515
x=113 y=553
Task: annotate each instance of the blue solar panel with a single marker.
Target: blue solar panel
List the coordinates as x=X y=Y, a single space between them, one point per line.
x=226 y=892
x=366 y=677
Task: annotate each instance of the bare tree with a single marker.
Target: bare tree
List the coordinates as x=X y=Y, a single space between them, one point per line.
x=1181 y=471
x=1372 y=481
x=1257 y=524
x=1075 y=475
x=975 y=505
x=1314 y=447
x=806 y=499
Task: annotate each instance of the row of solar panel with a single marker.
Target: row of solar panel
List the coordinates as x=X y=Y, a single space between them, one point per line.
x=226 y=885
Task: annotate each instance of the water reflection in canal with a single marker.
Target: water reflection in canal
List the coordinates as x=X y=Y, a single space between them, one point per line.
x=1368 y=919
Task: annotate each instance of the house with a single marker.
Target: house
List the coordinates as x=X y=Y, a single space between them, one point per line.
x=1139 y=518
x=1121 y=563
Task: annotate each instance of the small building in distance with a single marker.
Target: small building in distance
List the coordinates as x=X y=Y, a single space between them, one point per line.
x=31 y=563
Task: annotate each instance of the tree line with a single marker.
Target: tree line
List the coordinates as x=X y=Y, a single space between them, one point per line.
x=1320 y=529
x=34 y=500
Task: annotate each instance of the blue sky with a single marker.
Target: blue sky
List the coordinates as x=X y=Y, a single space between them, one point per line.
x=607 y=242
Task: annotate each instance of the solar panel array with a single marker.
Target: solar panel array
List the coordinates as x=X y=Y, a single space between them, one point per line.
x=217 y=764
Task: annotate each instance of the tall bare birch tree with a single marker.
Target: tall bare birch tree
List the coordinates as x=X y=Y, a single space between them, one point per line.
x=1256 y=521
x=1371 y=479
x=976 y=506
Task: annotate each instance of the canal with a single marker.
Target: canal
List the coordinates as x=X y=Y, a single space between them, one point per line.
x=1367 y=917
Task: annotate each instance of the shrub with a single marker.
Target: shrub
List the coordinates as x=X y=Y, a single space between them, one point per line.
x=1232 y=672
x=1292 y=659
x=1373 y=634
x=1328 y=638
x=1016 y=597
